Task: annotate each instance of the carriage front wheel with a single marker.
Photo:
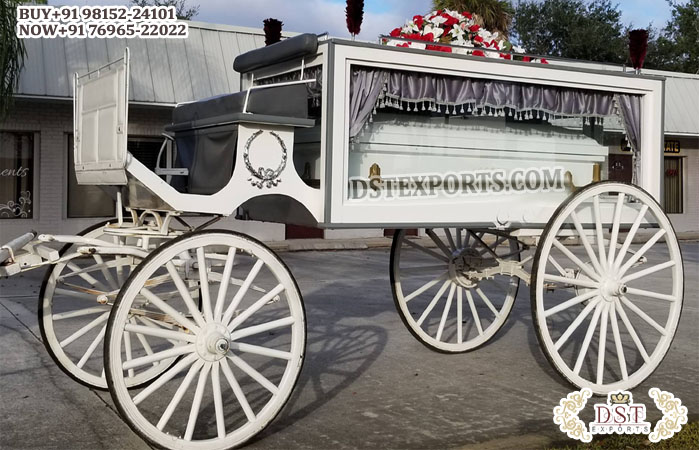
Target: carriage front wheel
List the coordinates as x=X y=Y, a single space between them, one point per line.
x=74 y=304
x=240 y=354
x=607 y=287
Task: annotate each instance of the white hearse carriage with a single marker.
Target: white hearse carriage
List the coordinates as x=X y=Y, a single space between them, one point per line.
x=199 y=334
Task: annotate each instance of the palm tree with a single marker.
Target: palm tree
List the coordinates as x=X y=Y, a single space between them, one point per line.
x=495 y=15
x=12 y=53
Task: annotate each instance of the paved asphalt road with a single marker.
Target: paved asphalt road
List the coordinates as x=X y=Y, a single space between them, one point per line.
x=366 y=383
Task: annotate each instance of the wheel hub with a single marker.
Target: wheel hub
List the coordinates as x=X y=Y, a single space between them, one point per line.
x=213 y=342
x=463 y=261
x=611 y=289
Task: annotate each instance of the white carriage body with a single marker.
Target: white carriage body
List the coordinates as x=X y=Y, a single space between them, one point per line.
x=321 y=185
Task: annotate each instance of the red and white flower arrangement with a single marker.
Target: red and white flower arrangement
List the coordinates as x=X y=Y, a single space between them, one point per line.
x=441 y=27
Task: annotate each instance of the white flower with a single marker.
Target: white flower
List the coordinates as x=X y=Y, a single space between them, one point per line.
x=436 y=31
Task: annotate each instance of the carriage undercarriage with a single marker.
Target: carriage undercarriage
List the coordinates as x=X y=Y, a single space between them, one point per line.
x=199 y=334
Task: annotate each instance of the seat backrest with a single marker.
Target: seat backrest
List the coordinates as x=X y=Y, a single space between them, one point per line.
x=292 y=48
x=100 y=122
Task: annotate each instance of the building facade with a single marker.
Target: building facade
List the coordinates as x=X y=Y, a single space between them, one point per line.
x=37 y=186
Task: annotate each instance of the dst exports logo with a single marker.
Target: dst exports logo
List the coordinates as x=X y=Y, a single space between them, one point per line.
x=620 y=415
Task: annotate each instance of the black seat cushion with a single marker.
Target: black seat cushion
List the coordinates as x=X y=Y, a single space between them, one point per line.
x=287 y=101
x=295 y=47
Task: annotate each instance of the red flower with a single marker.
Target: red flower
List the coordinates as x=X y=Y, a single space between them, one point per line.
x=419 y=21
x=478 y=53
x=396 y=32
x=468 y=15
x=450 y=21
x=427 y=37
x=543 y=61
x=526 y=59
x=505 y=56
x=474 y=28
x=495 y=45
x=440 y=48
x=478 y=39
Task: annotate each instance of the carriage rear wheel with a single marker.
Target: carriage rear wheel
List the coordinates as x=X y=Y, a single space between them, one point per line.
x=74 y=305
x=606 y=308
x=442 y=292
x=241 y=353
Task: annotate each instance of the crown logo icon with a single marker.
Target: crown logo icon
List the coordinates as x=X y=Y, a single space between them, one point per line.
x=619 y=398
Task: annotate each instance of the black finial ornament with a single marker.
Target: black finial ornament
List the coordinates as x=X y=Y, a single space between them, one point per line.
x=273 y=31
x=355 y=15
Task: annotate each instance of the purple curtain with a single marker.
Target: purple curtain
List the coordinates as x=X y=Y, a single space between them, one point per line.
x=370 y=87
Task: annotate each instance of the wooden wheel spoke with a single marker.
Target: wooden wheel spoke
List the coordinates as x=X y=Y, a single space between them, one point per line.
x=600 y=233
x=106 y=273
x=261 y=328
x=425 y=250
x=639 y=312
x=650 y=294
x=223 y=288
x=474 y=312
x=588 y=337
x=488 y=303
x=433 y=303
x=615 y=228
x=459 y=315
x=576 y=323
x=252 y=309
x=82 y=331
x=571 y=256
x=155 y=357
x=80 y=313
x=617 y=342
x=425 y=287
x=602 y=345
x=242 y=290
x=93 y=346
x=204 y=285
x=218 y=400
x=254 y=374
x=260 y=350
x=642 y=251
x=177 y=397
x=438 y=242
x=572 y=302
x=452 y=244
x=648 y=271
x=185 y=294
x=169 y=310
x=479 y=240
x=586 y=243
x=572 y=281
x=176 y=336
x=632 y=332
x=165 y=377
x=445 y=313
x=237 y=391
x=630 y=235
x=196 y=402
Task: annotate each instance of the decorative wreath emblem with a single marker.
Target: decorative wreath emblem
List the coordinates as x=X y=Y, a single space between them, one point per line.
x=264 y=176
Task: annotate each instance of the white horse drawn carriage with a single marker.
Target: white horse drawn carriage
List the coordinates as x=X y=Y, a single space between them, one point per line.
x=199 y=334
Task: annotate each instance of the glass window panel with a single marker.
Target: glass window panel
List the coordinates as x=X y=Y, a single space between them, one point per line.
x=16 y=175
x=673 y=185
